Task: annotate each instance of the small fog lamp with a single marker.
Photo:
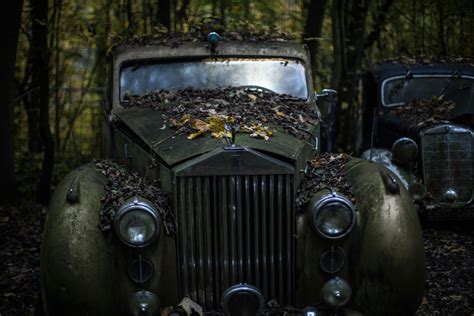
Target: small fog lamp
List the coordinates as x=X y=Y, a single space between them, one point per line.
x=404 y=150
x=310 y=311
x=336 y=292
x=144 y=303
x=137 y=222
x=417 y=191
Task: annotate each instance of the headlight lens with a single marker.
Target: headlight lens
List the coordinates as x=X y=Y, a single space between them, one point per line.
x=137 y=222
x=333 y=215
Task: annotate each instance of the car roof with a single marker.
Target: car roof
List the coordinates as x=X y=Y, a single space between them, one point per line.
x=389 y=69
x=200 y=49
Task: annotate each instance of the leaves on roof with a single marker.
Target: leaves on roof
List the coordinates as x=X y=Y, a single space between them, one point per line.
x=409 y=61
x=199 y=34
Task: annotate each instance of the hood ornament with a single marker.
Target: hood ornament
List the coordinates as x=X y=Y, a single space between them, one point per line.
x=213 y=39
x=232 y=128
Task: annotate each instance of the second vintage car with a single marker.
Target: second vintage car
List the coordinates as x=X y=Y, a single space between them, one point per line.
x=217 y=199
x=418 y=122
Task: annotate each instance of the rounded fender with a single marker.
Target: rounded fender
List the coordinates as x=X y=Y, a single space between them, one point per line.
x=387 y=253
x=76 y=274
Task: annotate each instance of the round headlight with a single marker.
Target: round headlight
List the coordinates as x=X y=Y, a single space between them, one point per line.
x=333 y=215
x=137 y=222
x=404 y=150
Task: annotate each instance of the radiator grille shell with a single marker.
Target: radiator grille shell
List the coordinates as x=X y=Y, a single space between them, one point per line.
x=236 y=228
x=448 y=162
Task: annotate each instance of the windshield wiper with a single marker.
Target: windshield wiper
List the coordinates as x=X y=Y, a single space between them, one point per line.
x=455 y=75
x=399 y=86
x=254 y=87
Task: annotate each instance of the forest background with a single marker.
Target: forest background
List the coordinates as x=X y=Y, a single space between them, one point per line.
x=54 y=69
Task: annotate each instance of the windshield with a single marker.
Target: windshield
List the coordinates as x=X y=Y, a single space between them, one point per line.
x=278 y=75
x=400 y=90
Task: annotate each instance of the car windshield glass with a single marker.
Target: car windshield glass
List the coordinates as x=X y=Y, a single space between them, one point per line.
x=277 y=75
x=400 y=90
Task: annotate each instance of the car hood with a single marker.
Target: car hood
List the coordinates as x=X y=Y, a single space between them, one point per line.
x=151 y=128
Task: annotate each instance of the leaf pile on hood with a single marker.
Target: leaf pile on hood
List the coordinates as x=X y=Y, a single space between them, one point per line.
x=200 y=111
x=325 y=171
x=424 y=113
x=123 y=184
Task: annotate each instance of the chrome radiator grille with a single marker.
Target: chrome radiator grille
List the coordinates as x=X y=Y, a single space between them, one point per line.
x=448 y=161
x=236 y=229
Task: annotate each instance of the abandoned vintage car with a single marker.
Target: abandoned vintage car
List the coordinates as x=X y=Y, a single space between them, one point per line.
x=226 y=214
x=419 y=120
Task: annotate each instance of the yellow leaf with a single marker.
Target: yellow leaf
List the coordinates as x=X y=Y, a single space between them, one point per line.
x=216 y=124
x=195 y=135
x=199 y=125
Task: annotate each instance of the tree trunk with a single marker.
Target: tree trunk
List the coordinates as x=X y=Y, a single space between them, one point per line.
x=223 y=13
x=129 y=10
x=11 y=16
x=164 y=18
x=312 y=29
x=40 y=77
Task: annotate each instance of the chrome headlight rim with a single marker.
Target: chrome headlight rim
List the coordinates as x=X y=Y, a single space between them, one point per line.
x=141 y=204
x=333 y=197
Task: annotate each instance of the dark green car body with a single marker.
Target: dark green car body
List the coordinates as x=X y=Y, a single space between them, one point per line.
x=235 y=214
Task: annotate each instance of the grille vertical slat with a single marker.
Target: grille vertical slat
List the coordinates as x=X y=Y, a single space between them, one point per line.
x=216 y=229
x=256 y=232
x=248 y=228
x=272 y=228
x=235 y=229
x=199 y=233
x=290 y=240
x=191 y=235
x=240 y=232
x=208 y=241
x=280 y=236
x=263 y=231
x=181 y=192
x=225 y=246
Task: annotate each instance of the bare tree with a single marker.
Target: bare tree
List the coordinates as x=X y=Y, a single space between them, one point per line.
x=350 y=42
x=40 y=78
x=163 y=14
x=11 y=16
x=313 y=28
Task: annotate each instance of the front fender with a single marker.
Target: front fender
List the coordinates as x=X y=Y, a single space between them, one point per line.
x=387 y=254
x=77 y=272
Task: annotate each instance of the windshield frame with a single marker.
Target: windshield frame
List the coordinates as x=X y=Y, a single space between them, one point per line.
x=413 y=76
x=220 y=58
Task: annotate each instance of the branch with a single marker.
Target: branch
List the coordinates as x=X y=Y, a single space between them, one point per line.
x=378 y=24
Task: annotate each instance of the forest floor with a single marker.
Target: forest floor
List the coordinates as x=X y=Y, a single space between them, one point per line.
x=449 y=253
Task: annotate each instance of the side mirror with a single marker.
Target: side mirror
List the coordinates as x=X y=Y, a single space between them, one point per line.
x=328 y=95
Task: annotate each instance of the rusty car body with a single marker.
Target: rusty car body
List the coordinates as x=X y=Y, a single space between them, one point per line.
x=240 y=247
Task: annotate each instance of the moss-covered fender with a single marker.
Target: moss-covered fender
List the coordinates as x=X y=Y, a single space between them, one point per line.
x=384 y=254
x=84 y=271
